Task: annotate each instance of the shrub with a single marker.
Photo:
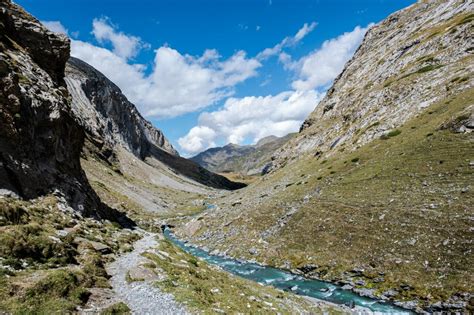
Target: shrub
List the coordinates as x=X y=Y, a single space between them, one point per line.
x=59 y=292
x=12 y=214
x=31 y=242
x=115 y=309
x=391 y=134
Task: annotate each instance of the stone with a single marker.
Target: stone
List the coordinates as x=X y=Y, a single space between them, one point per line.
x=8 y=193
x=390 y=293
x=365 y=292
x=191 y=228
x=347 y=287
x=100 y=247
x=406 y=287
x=253 y=251
x=360 y=282
x=308 y=268
x=141 y=273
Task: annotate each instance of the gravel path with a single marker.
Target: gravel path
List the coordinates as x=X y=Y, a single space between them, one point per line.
x=141 y=296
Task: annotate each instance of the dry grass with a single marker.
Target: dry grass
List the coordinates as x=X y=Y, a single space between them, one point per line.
x=404 y=207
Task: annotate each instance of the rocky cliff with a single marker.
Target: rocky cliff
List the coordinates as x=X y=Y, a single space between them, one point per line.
x=40 y=142
x=111 y=122
x=246 y=160
x=107 y=116
x=409 y=61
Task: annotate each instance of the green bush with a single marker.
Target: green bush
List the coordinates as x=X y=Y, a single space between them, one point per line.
x=31 y=242
x=59 y=292
x=12 y=214
x=118 y=308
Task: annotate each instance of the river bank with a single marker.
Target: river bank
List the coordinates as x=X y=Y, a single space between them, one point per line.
x=288 y=281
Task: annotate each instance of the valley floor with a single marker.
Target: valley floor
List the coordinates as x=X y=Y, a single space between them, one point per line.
x=158 y=278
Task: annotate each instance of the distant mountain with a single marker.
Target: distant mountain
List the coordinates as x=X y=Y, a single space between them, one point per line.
x=246 y=160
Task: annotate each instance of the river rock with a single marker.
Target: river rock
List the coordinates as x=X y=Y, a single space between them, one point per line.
x=347 y=287
x=253 y=251
x=308 y=268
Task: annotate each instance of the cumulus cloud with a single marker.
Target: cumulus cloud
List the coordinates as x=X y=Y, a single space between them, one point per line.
x=177 y=84
x=320 y=67
x=198 y=138
x=124 y=46
x=250 y=118
x=55 y=26
x=287 y=42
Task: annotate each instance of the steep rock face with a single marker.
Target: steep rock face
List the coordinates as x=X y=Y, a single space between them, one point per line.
x=40 y=142
x=247 y=160
x=106 y=114
x=112 y=122
x=407 y=62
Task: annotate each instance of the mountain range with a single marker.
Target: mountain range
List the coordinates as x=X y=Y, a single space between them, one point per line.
x=246 y=159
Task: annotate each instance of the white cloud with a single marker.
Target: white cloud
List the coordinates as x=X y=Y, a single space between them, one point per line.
x=198 y=137
x=319 y=68
x=250 y=118
x=302 y=32
x=178 y=84
x=287 y=42
x=256 y=117
x=55 y=26
x=125 y=46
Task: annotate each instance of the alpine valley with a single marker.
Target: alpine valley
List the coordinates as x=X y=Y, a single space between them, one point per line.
x=368 y=208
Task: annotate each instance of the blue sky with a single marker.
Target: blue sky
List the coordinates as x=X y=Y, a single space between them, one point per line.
x=212 y=72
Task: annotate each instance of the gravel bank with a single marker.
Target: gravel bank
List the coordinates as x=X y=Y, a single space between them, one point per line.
x=141 y=296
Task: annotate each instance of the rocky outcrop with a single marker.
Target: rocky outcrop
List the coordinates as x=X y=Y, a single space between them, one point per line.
x=247 y=159
x=112 y=122
x=409 y=61
x=40 y=142
x=107 y=116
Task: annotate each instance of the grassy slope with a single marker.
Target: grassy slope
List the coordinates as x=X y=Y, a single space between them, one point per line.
x=137 y=190
x=42 y=272
x=209 y=290
x=402 y=206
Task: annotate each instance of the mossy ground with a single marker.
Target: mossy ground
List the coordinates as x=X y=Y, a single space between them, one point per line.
x=43 y=271
x=209 y=290
x=401 y=205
